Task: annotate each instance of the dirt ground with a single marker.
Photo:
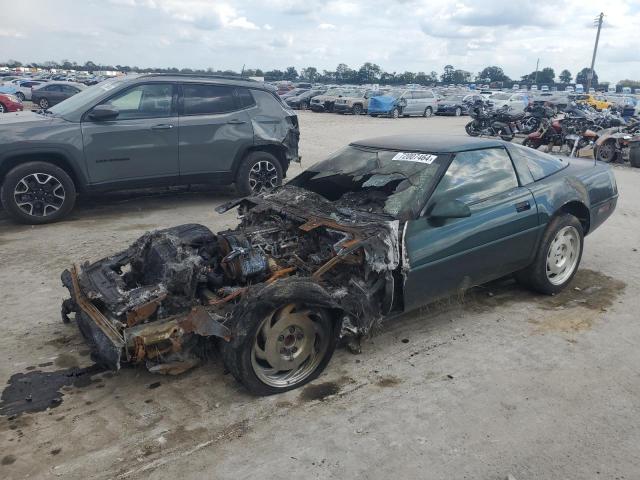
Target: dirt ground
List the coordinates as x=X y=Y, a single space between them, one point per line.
x=498 y=382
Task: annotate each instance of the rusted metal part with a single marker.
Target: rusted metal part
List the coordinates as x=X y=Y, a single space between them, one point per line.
x=174 y=368
x=314 y=222
x=280 y=274
x=90 y=309
x=144 y=311
x=228 y=298
x=201 y=322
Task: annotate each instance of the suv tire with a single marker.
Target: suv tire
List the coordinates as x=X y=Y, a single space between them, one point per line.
x=258 y=171
x=47 y=190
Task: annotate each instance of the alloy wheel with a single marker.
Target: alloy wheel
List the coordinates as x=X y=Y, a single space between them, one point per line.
x=2 y=109
x=44 y=103
x=289 y=345
x=458 y=112
x=562 y=256
x=39 y=194
x=20 y=95
x=263 y=175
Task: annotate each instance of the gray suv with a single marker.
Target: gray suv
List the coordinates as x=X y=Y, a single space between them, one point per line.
x=144 y=131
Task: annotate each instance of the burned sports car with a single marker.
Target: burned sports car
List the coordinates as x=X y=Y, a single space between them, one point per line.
x=381 y=227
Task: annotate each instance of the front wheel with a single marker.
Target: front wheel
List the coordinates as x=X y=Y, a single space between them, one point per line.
x=357 y=109
x=428 y=112
x=470 y=128
x=3 y=109
x=395 y=113
x=605 y=152
x=285 y=350
x=558 y=256
x=458 y=112
x=44 y=103
x=38 y=192
x=259 y=171
x=21 y=96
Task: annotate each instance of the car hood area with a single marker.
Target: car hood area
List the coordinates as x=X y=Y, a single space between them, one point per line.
x=152 y=302
x=25 y=117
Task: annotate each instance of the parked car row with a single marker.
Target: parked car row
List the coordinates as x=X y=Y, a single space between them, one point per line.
x=41 y=92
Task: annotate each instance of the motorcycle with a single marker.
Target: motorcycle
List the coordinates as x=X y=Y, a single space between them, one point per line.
x=534 y=115
x=613 y=143
x=499 y=123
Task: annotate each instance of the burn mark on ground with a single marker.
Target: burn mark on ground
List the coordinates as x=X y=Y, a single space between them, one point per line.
x=589 y=289
x=36 y=391
x=319 y=391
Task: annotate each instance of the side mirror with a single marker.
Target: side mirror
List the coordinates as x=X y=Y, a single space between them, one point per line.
x=450 y=209
x=104 y=112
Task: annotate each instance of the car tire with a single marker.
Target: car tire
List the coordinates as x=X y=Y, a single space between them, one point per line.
x=257 y=172
x=458 y=112
x=304 y=106
x=562 y=242
x=21 y=96
x=428 y=112
x=471 y=131
x=357 y=109
x=606 y=152
x=43 y=103
x=248 y=359
x=52 y=187
x=395 y=113
x=3 y=109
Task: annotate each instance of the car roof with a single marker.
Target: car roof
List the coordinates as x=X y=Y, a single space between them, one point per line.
x=226 y=79
x=426 y=143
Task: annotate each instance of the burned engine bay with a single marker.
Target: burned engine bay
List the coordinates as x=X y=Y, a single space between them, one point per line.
x=158 y=301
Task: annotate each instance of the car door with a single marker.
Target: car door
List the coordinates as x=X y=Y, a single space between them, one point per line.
x=452 y=255
x=139 y=145
x=67 y=91
x=52 y=93
x=429 y=101
x=214 y=129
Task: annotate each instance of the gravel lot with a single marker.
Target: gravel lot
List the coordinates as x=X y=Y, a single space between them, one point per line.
x=498 y=382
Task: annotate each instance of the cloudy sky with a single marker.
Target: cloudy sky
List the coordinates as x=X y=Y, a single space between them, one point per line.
x=398 y=35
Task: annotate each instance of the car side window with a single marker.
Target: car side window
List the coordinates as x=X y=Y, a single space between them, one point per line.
x=245 y=99
x=541 y=165
x=428 y=94
x=476 y=175
x=144 y=101
x=207 y=99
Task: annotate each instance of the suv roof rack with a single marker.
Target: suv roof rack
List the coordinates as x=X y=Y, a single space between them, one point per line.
x=199 y=75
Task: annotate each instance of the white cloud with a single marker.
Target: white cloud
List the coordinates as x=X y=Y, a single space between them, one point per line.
x=327 y=26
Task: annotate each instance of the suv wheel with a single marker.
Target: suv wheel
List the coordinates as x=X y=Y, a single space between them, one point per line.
x=44 y=103
x=428 y=112
x=259 y=171
x=357 y=109
x=395 y=113
x=38 y=192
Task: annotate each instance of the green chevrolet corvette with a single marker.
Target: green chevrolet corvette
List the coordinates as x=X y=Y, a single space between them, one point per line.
x=381 y=227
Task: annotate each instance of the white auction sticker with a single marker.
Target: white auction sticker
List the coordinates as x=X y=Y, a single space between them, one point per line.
x=415 y=157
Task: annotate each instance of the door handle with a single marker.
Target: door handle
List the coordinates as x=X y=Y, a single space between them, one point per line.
x=523 y=206
x=162 y=126
x=236 y=122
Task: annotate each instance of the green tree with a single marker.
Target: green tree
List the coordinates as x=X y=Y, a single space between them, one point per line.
x=447 y=75
x=582 y=77
x=565 y=76
x=492 y=74
x=310 y=74
x=291 y=74
x=369 y=73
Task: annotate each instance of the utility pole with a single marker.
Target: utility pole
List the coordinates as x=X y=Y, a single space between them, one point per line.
x=536 y=78
x=598 y=22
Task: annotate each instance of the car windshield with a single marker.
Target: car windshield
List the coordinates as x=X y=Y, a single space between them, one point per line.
x=384 y=181
x=86 y=96
x=500 y=96
x=455 y=98
x=395 y=93
x=334 y=92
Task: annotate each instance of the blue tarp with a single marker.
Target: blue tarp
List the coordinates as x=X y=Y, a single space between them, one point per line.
x=381 y=104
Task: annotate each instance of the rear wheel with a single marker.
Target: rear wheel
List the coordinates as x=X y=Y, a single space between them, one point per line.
x=428 y=112
x=3 y=109
x=20 y=95
x=458 y=112
x=357 y=109
x=395 y=113
x=37 y=193
x=304 y=106
x=285 y=350
x=558 y=257
x=259 y=171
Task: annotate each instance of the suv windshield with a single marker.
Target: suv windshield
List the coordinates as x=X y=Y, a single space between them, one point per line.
x=85 y=97
x=381 y=181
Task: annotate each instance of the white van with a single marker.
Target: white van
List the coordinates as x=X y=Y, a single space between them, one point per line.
x=579 y=88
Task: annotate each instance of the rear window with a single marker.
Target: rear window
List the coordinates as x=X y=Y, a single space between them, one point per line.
x=540 y=164
x=207 y=99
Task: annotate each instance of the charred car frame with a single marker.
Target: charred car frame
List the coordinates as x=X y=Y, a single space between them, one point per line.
x=381 y=227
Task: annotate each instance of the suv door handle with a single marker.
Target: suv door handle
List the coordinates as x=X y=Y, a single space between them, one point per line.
x=236 y=122
x=522 y=206
x=162 y=126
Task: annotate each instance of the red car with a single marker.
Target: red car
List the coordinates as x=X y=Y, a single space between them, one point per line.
x=10 y=103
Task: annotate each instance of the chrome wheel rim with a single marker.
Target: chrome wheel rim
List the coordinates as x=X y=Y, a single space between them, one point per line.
x=263 y=175
x=39 y=194
x=562 y=256
x=44 y=103
x=396 y=113
x=289 y=345
x=357 y=110
x=458 y=112
x=20 y=95
x=1 y=108
x=427 y=112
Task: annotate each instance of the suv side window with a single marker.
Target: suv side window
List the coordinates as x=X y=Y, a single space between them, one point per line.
x=477 y=175
x=207 y=99
x=144 y=101
x=245 y=99
x=428 y=94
